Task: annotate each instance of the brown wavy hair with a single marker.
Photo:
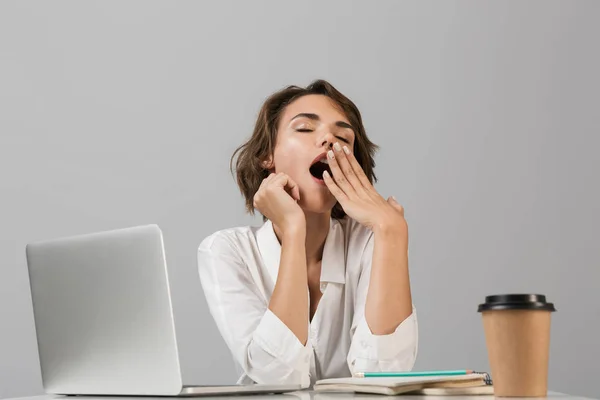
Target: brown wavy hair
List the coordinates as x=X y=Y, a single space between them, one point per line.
x=249 y=170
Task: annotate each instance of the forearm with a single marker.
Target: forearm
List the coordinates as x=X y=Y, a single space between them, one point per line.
x=289 y=301
x=275 y=355
x=389 y=299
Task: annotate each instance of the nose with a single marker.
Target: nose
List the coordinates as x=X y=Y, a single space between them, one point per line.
x=327 y=140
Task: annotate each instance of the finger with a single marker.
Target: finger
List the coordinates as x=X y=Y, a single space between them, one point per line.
x=293 y=188
x=269 y=178
x=394 y=203
x=358 y=171
x=266 y=181
x=339 y=177
x=296 y=193
x=261 y=189
x=280 y=179
x=334 y=188
x=346 y=168
x=288 y=184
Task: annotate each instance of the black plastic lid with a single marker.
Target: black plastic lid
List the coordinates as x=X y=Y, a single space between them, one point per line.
x=516 y=302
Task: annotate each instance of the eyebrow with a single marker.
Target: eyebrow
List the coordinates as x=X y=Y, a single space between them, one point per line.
x=315 y=117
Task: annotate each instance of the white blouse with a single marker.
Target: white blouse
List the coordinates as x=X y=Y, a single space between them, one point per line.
x=238 y=270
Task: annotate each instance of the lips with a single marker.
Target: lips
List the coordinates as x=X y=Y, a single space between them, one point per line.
x=319 y=165
x=318 y=158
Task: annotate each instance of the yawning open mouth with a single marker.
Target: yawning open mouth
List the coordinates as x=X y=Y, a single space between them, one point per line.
x=320 y=165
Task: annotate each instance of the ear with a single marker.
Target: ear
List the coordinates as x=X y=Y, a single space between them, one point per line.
x=268 y=163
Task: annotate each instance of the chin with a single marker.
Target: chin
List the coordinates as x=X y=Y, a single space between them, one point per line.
x=318 y=204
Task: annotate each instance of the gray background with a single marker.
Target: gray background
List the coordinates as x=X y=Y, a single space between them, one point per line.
x=114 y=114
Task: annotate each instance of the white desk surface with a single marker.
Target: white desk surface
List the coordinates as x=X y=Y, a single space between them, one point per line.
x=302 y=395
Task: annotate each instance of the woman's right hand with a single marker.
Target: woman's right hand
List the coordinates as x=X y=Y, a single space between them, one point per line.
x=277 y=198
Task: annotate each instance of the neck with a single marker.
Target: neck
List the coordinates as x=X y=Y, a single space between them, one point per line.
x=317 y=229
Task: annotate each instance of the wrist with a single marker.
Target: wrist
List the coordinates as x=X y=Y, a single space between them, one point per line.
x=391 y=227
x=294 y=230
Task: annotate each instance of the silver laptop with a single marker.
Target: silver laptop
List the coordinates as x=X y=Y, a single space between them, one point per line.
x=104 y=319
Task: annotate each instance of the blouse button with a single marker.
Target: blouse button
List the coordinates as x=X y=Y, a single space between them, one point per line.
x=323 y=286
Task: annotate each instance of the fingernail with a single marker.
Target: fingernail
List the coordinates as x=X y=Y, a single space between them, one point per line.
x=330 y=153
x=346 y=150
x=337 y=146
x=394 y=198
x=325 y=174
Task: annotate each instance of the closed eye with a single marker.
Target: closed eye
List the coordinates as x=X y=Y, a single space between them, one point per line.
x=311 y=130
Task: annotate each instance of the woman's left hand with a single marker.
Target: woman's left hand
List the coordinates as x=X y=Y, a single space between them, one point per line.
x=358 y=197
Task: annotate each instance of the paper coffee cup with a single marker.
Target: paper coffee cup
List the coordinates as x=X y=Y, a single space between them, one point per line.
x=517 y=335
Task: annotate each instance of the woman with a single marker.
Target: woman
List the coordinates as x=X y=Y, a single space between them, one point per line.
x=321 y=289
